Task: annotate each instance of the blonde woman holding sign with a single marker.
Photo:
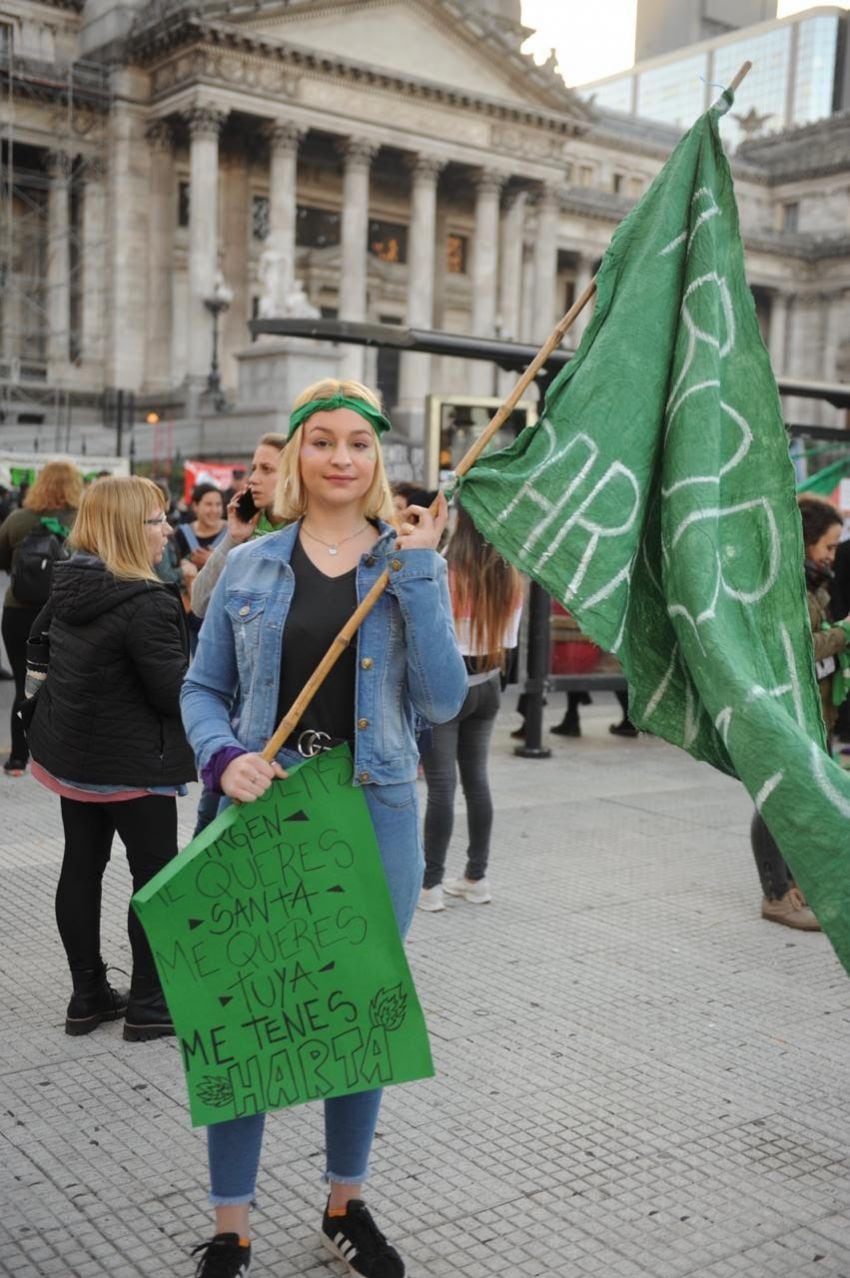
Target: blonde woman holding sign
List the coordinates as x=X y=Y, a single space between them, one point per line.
x=275 y=611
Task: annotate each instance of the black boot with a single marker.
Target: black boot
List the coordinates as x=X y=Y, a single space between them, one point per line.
x=147 y=1014
x=570 y=726
x=94 y=1000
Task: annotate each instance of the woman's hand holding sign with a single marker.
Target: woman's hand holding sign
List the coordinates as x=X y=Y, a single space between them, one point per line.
x=249 y=776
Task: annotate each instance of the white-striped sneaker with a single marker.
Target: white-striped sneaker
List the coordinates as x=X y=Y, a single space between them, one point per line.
x=357 y=1240
x=476 y=891
x=431 y=899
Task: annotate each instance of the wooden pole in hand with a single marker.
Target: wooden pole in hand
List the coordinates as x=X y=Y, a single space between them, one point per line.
x=341 y=642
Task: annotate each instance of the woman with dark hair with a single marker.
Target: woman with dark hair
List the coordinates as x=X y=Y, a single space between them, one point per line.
x=486 y=594
x=52 y=502
x=194 y=543
x=106 y=736
x=783 y=901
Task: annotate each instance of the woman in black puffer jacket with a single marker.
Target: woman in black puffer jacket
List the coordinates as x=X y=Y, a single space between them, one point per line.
x=105 y=734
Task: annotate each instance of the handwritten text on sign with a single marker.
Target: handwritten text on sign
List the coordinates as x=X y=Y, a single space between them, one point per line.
x=277 y=946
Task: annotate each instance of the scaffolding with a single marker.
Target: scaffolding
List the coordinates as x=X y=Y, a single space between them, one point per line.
x=52 y=276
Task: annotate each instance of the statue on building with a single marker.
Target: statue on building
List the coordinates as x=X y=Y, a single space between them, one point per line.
x=282 y=293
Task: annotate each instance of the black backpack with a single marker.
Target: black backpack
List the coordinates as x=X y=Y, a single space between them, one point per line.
x=32 y=568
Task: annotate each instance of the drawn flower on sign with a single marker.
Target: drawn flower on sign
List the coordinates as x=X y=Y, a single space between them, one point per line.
x=388 y=1008
x=215 y=1092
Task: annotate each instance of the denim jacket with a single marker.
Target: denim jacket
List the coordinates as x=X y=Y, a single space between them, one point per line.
x=407 y=658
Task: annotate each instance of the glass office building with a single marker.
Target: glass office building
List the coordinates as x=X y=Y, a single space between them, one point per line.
x=799 y=74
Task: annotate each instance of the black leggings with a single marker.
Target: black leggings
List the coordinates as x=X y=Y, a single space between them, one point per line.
x=148 y=829
x=17 y=623
x=462 y=743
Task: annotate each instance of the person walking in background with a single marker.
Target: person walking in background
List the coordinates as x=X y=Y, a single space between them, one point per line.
x=105 y=735
x=195 y=541
x=486 y=595
x=279 y=604
x=783 y=902
x=50 y=505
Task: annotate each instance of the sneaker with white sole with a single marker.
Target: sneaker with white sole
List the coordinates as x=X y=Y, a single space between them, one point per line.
x=476 y=891
x=431 y=899
x=356 y=1240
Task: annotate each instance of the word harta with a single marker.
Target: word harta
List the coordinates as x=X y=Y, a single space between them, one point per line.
x=276 y=943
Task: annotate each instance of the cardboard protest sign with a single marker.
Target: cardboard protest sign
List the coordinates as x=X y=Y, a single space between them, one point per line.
x=276 y=943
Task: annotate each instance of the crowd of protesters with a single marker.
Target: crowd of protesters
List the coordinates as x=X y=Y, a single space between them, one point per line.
x=140 y=666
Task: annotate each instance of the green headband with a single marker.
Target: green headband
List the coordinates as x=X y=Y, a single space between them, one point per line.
x=373 y=416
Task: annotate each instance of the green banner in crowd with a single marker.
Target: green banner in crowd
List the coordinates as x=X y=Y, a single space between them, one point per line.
x=276 y=943
x=655 y=500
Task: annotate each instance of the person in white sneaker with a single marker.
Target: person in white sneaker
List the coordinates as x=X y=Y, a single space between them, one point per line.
x=486 y=597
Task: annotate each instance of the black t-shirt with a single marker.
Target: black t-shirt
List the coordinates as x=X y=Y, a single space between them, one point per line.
x=320 y=607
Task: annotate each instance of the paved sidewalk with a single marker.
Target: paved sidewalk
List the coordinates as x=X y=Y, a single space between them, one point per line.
x=638 y=1078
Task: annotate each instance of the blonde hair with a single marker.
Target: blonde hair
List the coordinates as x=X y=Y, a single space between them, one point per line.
x=59 y=486
x=111 y=524
x=272 y=440
x=290 y=498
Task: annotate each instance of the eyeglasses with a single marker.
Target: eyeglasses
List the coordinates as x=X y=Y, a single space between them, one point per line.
x=158 y=521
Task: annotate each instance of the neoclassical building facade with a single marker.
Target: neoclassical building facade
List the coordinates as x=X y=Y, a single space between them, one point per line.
x=402 y=158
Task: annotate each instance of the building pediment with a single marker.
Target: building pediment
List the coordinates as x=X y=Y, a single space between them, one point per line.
x=440 y=42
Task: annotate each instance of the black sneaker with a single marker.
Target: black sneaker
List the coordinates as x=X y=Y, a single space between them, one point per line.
x=223 y=1257
x=355 y=1239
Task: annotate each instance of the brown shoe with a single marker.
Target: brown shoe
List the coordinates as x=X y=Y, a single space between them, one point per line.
x=790 y=909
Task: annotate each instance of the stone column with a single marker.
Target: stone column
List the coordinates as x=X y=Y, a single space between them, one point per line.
x=485 y=268
x=415 y=379
x=94 y=261
x=527 y=325
x=236 y=237
x=358 y=156
x=58 y=165
x=284 y=140
x=584 y=275
x=160 y=308
x=778 y=331
x=510 y=278
x=205 y=125
x=545 y=263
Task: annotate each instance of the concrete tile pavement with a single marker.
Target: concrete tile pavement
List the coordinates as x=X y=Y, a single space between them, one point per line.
x=637 y=1077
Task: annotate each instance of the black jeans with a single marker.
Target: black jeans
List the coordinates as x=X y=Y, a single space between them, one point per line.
x=462 y=743
x=774 y=875
x=148 y=829
x=16 y=626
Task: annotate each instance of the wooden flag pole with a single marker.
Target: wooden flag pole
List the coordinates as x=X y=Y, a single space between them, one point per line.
x=342 y=640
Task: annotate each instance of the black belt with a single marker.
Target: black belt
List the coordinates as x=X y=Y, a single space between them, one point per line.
x=311 y=741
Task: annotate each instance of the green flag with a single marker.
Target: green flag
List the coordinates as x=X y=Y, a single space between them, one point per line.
x=655 y=499
x=275 y=939
x=824 y=482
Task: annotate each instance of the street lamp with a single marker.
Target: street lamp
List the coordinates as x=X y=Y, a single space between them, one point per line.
x=217 y=303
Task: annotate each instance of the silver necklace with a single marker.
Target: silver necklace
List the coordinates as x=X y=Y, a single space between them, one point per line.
x=332 y=547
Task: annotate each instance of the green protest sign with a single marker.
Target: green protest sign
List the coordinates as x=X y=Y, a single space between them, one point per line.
x=276 y=943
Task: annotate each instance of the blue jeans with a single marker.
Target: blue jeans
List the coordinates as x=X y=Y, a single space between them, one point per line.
x=234 y=1146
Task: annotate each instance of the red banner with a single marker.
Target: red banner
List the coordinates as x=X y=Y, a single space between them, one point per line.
x=202 y=471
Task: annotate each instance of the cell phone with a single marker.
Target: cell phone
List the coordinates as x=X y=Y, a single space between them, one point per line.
x=246 y=507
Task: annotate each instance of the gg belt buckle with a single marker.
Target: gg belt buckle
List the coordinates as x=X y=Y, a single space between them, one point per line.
x=312 y=742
